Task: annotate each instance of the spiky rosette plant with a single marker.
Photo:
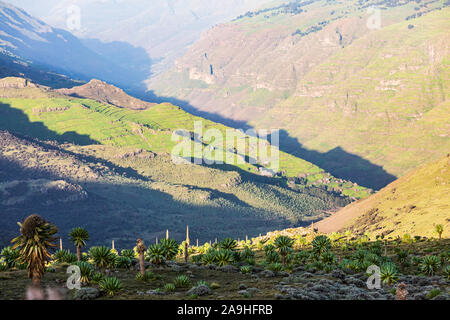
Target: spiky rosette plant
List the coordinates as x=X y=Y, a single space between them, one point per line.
x=63 y=255
x=247 y=253
x=10 y=257
x=276 y=267
x=328 y=258
x=403 y=258
x=103 y=257
x=123 y=262
x=224 y=257
x=155 y=254
x=272 y=256
x=284 y=246
x=376 y=247
x=86 y=270
x=321 y=244
x=209 y=257
x=197 y=258
x=246 y=269
x=446 y=272
x=147 y=276
x=129 y=253
x=268 y=248
x=110 y=285
x=430 y=265
x=59 y=255
x=79 y=237
x=301 y=257
x=228 y=244
x=170 y=248
x=182 y=281
x=169 y=287
x=389 y=274
x=97 y=277
x=444 y=257
x=372 y=258
x=360 y=255
x=35 y=245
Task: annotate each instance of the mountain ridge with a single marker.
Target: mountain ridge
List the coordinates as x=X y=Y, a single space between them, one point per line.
x=159 y=32
x=57 y=49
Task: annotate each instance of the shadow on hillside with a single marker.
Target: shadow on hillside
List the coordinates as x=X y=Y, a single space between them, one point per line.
x=338 y=162
x=125 y=212
x=114 y=210
x=16 y=121
x=16 y=67
x=331 y=198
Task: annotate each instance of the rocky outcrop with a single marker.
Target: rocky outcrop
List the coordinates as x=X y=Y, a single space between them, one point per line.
x=236 y=63
x=106 y=93
x=201 y=290
x=87 y=294
x=16 y=83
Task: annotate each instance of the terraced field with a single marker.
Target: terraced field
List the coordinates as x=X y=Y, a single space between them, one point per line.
x=84 y=121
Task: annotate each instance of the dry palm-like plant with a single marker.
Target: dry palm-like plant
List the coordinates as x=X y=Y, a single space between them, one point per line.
x=79 y=236
x=140 y=248
x=439 y=230
x=284 y=245
x=34 y=244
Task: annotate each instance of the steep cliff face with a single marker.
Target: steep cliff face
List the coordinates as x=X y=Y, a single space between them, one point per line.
x=272 y=59
x=258 y=59
x=342 y=80
x=384 y=98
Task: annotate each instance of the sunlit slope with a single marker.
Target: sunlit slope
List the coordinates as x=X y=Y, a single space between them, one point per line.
x=413 y=204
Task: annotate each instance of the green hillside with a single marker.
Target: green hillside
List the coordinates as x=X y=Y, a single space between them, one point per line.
x=68 y=157
x=366 y=102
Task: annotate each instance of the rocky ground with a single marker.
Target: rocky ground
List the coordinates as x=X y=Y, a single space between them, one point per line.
x=228 y=283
